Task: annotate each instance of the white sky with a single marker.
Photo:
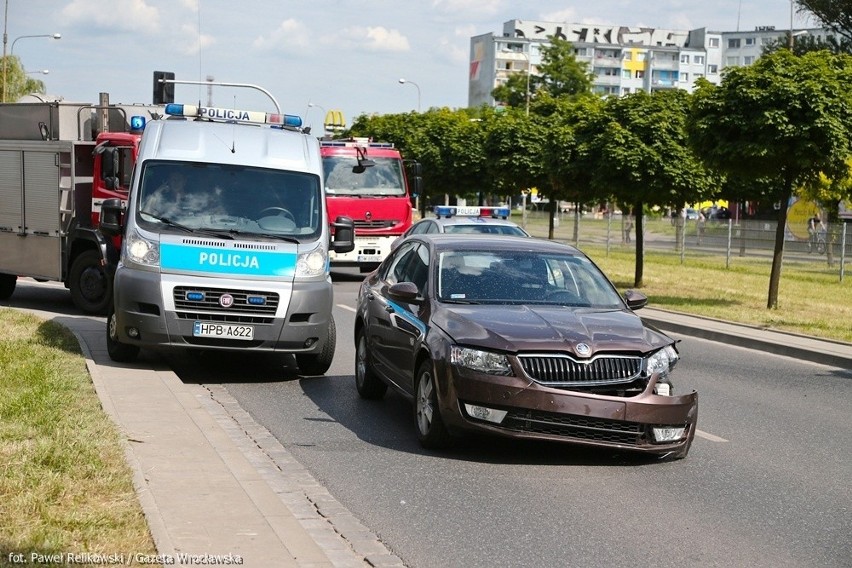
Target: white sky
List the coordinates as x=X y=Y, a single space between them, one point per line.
x=338 y=54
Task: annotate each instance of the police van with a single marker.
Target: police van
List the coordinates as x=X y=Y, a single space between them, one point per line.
x=225 y=239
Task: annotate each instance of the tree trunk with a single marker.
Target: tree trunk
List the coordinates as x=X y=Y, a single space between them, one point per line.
x=640 y=244
x=552 y=206
x=778 y=255
x=577 y=223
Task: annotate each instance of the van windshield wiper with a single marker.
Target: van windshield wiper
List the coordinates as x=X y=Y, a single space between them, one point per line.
x=174 y=225
x=275 y=236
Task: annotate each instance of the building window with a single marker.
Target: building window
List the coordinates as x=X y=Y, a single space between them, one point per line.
x=712 y=69
x=699 y=60
x=625 y=74
x=684 y=77
x=684 y=58
x=626 y=90
x=628 y=56
x=734 y=43
x=748 y=59
x=732 y=60
x=749 y=41
x=699 y=76
x=713 y=42
x=640 y=74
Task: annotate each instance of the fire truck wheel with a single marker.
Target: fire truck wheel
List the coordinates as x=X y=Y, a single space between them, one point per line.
x=89 y=283
x=7 y=285
x=318 y=364
x=118 y=352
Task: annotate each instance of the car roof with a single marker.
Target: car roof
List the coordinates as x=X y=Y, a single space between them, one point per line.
x=470 y=220
x=472 y=241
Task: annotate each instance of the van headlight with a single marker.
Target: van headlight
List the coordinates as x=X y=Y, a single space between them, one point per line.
x=139 y=250
x=662 y=361
x=312 y=263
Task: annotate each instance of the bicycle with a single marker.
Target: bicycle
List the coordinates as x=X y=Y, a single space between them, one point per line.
x=817 y=238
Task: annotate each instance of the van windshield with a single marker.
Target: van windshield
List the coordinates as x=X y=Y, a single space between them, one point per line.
x=229 y=198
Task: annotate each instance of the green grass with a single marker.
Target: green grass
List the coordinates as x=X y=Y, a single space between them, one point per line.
x=65 y=486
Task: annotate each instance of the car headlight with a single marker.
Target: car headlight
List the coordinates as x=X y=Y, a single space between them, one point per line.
x=481 y=361
x=663 y=361
x=313 y=263
x=140 y=250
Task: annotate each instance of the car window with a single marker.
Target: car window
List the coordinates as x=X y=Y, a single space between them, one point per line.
x=411 y=264
x=433 y=227
x=419 y=228
x=523 y=278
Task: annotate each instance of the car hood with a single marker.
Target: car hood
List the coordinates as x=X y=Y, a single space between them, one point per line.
x=547 y=328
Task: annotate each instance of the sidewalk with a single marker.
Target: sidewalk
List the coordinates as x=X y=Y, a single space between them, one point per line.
x=214 y=483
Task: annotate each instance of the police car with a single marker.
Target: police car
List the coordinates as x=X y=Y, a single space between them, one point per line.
x=466 y=220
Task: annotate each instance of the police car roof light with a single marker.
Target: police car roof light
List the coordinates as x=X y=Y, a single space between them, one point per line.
x=232 y=115
x=451 y=210
x=137 y=123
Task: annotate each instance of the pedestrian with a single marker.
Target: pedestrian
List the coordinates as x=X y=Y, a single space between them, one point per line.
x=815 y=228
x=628 y=226
x=700 y=226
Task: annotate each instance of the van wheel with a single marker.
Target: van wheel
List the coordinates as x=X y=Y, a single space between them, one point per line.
x=118 y=352
x=7 y=285
x=319 y=363
x=89 y=284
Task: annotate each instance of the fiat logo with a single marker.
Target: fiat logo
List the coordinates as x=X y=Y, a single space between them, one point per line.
x=583 y=350
x=226 y=300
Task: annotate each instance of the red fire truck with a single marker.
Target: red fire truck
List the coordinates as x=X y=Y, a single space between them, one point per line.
x=371 y=183
x=58 y=162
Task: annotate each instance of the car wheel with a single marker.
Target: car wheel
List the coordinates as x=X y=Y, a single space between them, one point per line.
x=118 y=352
x=431 y=430
x=89 y=284
x=318 y=364
x=368 y=384
x=7 y=285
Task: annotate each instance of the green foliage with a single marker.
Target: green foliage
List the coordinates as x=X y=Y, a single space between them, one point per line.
x=17 y=83
x=560 y=72
x=834 y=14
x=513 y=92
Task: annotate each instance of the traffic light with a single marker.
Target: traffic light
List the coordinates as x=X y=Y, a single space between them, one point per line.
x=164 y=93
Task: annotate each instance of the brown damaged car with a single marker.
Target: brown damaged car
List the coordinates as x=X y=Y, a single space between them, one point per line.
x=518 y=337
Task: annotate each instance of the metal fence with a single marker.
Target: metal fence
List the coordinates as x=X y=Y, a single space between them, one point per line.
x=753 y=239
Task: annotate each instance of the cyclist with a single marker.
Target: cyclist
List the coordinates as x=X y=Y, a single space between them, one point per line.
x=816 y=229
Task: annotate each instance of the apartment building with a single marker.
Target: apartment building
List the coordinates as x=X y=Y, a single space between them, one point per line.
x=622 y=59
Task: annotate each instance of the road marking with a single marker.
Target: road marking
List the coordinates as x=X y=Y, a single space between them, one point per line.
x=710 y=437
x=345 y=307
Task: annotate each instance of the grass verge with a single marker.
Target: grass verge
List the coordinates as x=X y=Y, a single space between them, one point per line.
x=65 y=487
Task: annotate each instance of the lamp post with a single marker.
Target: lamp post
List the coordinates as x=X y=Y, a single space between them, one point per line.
x=54 y=36
x=312 y=105
x=39 y=72
x=404 y=81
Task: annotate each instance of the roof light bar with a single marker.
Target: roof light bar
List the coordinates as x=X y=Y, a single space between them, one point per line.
x=232 y=115
x=451 y=210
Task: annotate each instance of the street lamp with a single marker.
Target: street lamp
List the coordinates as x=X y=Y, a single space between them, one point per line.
x=312 y=105
x=40 y=72
x=404 y=81
x=54 y=36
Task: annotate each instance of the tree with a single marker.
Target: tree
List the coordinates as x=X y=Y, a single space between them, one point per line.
x=785 y=118
x=560 y=73
x=513 y=92
x=834 y=14
x=17 y=83
x=514 y=143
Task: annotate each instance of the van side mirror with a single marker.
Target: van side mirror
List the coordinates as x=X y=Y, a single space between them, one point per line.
x=344 y=235
x=110 y=221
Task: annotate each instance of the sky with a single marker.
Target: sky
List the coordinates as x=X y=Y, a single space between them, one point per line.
x=312 y=56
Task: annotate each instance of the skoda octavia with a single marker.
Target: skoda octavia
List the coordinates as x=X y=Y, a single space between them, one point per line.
x=518 y=337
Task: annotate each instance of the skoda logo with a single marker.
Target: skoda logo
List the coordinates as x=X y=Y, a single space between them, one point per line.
x=226 y=300
x=583 y=350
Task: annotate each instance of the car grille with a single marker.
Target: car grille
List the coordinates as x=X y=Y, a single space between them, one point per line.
x=577 y=427
x=565 y=371
x=374 y=224
x=241 y=311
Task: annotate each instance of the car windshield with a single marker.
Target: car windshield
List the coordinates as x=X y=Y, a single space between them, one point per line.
x=485 y=228
x=523 y=277
x=383 y=178
x=230 y=199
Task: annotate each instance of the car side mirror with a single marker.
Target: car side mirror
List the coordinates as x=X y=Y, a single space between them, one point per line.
x=405 y=291
x=635 y=300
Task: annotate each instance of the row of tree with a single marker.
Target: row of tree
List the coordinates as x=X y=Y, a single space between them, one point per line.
x=16 y=82
x=781 y=125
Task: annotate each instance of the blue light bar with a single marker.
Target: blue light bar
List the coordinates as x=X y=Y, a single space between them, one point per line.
x=449 y=211
x=233 y=115
x=137 y=123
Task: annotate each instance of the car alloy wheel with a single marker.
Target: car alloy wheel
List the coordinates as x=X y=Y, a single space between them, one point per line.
x=431 y=430
x=368 y=384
